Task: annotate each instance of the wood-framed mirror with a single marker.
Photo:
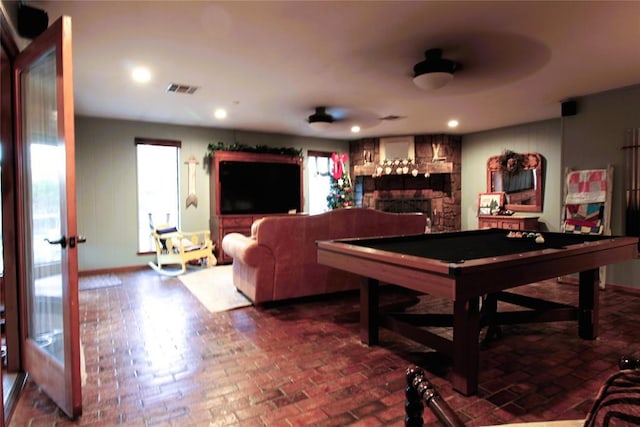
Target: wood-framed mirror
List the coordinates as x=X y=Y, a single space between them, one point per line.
x=520 y=176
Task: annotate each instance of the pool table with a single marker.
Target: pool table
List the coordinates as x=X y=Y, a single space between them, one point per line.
x=469 y=267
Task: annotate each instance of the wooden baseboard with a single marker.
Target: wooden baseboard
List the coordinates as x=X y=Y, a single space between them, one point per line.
x=566 y=280
x=131 y=268
x=629 y=289
x=114 y=270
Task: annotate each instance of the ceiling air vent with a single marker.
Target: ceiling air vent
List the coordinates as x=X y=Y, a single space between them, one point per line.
x=178 y=88
x=391 y=117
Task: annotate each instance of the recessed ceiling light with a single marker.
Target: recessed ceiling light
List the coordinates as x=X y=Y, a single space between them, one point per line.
x=453 y=123
x=220 y=113
x=141 y=75
x=355 y=129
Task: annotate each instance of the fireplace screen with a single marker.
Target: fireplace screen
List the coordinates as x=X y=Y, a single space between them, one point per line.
x=404 y=205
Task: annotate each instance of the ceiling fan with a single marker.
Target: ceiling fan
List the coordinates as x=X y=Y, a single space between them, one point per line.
x=435 y=71
x=320 y=119
x=325 y=118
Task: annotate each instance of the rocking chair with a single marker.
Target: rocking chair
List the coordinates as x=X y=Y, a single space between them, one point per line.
x=176 y=247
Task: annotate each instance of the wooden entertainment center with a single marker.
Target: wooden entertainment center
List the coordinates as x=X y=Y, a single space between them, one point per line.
x=223 y=220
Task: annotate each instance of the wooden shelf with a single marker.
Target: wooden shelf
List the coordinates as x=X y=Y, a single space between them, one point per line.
x=439 y=167
x=364 y=170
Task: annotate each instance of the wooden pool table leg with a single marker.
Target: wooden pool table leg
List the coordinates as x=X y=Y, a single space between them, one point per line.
x=369 y=301
x=466 y=349
x=589 y=304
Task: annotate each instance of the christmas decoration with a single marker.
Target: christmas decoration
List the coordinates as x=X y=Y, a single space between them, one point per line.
x=260 y=149
x=511 y=162
x=341 y=192
x=337 y=164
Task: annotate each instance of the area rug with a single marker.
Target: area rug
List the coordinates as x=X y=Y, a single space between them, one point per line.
x=98 y=281
x=214 y=288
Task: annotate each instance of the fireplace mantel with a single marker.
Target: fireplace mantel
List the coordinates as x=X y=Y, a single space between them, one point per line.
x=370 y=169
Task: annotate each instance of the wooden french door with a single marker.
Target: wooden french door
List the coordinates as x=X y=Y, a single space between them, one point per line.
x=45 y=153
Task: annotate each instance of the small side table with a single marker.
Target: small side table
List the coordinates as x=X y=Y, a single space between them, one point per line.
x=508 y=222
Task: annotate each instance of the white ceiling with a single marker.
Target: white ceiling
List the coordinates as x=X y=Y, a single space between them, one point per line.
x=270 y=63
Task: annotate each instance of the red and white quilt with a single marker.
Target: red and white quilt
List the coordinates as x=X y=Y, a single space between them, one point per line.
x=586 y=186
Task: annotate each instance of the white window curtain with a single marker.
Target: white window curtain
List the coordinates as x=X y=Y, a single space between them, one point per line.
x=319 y=183
x=158 y=198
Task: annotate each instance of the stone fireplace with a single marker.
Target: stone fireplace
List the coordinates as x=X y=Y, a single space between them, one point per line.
x=430 y=184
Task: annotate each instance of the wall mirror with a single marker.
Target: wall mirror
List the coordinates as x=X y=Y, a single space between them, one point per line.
x=400 y=148
x=520 y=176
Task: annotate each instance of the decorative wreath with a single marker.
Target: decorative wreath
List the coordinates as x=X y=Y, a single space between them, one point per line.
x=512 y=162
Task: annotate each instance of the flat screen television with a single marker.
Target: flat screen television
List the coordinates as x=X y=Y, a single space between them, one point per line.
x=259 y=187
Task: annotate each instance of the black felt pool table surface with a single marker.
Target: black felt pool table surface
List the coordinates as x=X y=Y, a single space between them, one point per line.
x=458 y=247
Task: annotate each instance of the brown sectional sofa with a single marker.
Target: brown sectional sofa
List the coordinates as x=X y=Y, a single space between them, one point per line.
x=278 y=260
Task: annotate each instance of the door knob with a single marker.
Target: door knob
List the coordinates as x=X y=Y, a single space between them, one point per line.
x=62 y=241
x=76 y=240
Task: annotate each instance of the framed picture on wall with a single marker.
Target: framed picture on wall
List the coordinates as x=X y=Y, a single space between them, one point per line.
x=397 y=148
x=489 y=203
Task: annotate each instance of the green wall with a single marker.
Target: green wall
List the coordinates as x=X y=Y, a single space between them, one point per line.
x=106 y=181
x=592 y=139
x=540 y=137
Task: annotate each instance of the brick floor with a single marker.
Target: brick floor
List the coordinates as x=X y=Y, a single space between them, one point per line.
x=155 y=356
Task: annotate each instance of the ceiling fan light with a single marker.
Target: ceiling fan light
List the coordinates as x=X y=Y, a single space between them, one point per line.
x=432 y=81
x=435 y=71
x=319 y=126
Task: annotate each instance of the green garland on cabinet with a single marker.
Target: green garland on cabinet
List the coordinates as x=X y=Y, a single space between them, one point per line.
x=261 y=149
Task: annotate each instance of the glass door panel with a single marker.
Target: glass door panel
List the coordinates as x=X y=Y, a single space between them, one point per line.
x=45 y=166
x=48 y=216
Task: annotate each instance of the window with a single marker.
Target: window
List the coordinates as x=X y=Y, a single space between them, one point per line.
x=158 y=197
x=45 y=202
x=318 y=166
